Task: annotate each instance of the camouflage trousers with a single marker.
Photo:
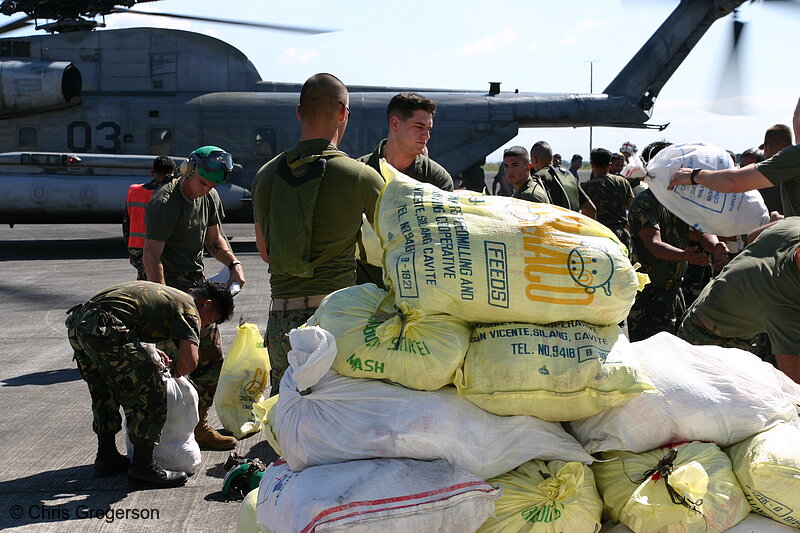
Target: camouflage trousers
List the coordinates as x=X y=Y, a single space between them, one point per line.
x=119 y=373
x=279 y=324
x=135 y=257
x=206 y=376
x=623 y=235
x=655 y=310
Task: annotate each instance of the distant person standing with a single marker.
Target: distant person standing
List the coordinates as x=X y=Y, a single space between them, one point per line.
x=182 y=217
x=556 y=160
x=575 y=165
x=611 y=194
x=617 y=163
x=517 y=167
x=309 y=203
x=562 y=188
x=133 y=219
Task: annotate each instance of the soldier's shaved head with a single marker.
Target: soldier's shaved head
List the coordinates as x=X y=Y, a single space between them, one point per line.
x=542 y=151
x=777 y=138
x=322 y=96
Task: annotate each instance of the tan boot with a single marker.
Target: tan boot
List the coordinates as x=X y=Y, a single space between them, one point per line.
x=210 y=438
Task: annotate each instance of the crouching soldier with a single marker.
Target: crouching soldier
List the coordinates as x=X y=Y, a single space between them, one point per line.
x=106 y=335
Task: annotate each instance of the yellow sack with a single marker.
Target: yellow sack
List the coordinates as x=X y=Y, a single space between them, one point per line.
x=560 y=372
x=768 y=469
x=375 y=339
x=499 y=259
x=264 y=411
x=244 y=375
x=541 y=497
x=688 y=488
x=247 y=522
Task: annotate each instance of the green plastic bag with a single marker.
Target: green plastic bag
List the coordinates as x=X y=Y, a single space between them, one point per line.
x=242 y=380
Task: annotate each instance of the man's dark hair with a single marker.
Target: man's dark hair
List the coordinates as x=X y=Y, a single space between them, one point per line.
x=404 y=105
x=779 y=135
x=600 y=157
x=617 y=155
x=517 y=151
x=219 y=294
x=755 y=153
x=650 y=151
x=542 y=151
x=164 y=165
x=321 y=96
x=576 y=157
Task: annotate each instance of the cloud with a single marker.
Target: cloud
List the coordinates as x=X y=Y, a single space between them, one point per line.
x=567 y=42
x=295 y=56
x=590 y=24
x=491 y=45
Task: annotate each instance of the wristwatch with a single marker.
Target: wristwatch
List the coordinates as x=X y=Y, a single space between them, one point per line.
x=693 y=175
x=233 y=264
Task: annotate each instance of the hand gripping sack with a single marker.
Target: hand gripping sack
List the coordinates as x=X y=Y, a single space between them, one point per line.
x=499 y=259
x=177 y=448
x=702 y=208
x=375 y=339
x=244 y=375
x=386 y=495
x=541 y=497
x=562 y=371
x=688 y=488
x=768 y=469
x=708 y=393
x=337 y=419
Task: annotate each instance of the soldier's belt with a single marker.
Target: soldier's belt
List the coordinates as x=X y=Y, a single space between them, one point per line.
x=301 y=302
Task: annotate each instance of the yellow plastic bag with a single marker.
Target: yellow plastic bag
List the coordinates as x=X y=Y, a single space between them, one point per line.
x=247 y=522
x=560 y=372
x=768 y=469
x=375 y=339
x=490 y=259
x=264 y=411
x=242 y=380
x=541 y=497
x=688 y=488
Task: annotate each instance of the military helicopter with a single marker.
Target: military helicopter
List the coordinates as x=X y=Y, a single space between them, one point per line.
x=85 y=111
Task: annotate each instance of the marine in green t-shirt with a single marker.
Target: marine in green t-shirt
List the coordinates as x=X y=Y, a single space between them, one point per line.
x=561 y=185
x=758 y=292
x=783 y=169
x=517 y=167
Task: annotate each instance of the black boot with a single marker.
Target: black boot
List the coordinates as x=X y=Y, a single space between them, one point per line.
x=145 y=471
x=108 y=460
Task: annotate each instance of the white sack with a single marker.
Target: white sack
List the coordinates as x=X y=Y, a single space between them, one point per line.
x=702 y=208
x=341 y=419
x=706 y=393
x=386 y=495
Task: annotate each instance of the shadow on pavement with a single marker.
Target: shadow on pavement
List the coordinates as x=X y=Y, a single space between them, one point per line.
x=48 y=377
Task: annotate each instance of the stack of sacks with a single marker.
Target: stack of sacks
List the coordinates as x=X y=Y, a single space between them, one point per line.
x=768 y=469
x=705 y=393
x=687 y=488
x=386 y=495
x=753 y=523
x=375 y=339
x=705 y=210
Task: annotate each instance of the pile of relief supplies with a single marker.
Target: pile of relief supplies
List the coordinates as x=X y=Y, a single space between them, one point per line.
x=491 y=389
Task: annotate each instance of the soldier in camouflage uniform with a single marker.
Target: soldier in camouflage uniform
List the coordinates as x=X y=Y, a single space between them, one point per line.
x=661 y=244
x=611 y=194
x=106 y=335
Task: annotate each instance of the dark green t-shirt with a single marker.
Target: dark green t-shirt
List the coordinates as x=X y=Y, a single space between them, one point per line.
x=759 y=291
x=423 y=169
x=181 y=224
x=348 y=190
x=532 y=191
x=562 y=187
x=610 y=195
x=647 y=212
x=783 y=169
x=154 y=311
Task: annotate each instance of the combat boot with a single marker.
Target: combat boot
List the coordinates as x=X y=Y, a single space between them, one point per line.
x=209 y=438
x=108 y=460
x=146 y=472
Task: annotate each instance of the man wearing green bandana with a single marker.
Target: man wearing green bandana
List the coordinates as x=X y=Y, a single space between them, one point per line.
x=308 y=204
x=182 y=217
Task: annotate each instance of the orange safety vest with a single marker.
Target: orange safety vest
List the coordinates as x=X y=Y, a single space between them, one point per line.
x=138 y=196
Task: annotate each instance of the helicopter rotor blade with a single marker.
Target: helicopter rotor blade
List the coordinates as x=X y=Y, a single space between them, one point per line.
x=16 y=24
x=729 y=91
x=276 y=27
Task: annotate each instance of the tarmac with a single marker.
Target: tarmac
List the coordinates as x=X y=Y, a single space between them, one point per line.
x=47 y=446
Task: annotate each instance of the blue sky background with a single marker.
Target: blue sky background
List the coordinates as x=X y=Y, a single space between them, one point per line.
x=533 y=46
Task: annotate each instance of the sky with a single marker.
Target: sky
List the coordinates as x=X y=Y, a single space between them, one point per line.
x=547 y=46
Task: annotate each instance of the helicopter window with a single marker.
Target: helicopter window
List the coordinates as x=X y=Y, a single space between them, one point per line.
x=28 y=139
x=160 y=141
x=15 y=48
x=264 y=143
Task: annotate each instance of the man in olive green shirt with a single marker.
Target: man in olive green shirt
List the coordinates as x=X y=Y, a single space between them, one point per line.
x=562 y=186
x=517 y=169
x=308 y=204
x=758 y=292
x=611 y=194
